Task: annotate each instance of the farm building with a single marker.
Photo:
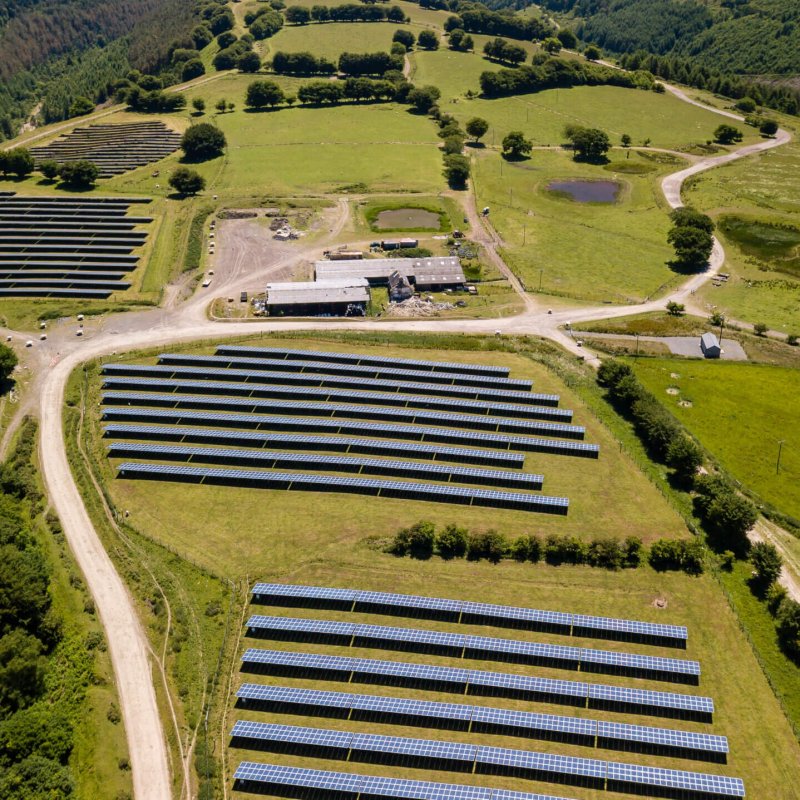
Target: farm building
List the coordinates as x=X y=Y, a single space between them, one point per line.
x=399 y=288
x=346 y=255
x=710 y=345
x=425 y=274
x=342 y=297
x=399 y=244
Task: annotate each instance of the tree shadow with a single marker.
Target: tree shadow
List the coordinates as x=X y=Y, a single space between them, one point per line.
x=598 y=161
x=686 y=268
x=476 y=145
x=515 y=158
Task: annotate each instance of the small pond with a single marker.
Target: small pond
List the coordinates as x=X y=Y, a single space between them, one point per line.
x=586 y=191
x=411 y=218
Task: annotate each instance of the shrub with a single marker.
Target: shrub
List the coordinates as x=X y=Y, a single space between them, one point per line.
x=490 y=545
x=760 y=329
x=674 y=554
x=186 y=181
x=452 y=542
x=527 y=548
x=81 y=174
x=632 y=552
x=767 y=564
x=416 y=541
x=428 y=40
x=607 y=553
x=788 y=619
x=564 y=550
x=49 y=169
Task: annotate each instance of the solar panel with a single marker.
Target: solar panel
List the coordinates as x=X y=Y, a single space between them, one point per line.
x=395 y=384
x=301 y=442
x=356 y=358
x=366 y=786
x=302 y=482
x=368 y=466
x=344 y=426
x=271 y=390
x=326 y=368
x=564 y=768
x=623 y=777
x=301 y=408
x=292 y=734
x=457 y=679
x=672 y=669
x=474 y=646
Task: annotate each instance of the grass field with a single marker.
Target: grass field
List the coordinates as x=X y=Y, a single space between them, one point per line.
x=762 y=187
x=596 y=490
x=613 y=252
x=739 y=412
x=331 y=39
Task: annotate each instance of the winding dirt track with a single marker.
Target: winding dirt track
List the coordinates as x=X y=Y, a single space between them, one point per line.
x=127 y=642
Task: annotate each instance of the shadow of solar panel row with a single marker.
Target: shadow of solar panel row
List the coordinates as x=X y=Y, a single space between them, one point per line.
x=294 y=481
x=358 y=428
x=317 y=463
x=337 y=444
x=364 y=360
x=457 y=680
x=469 y=613
x=482 y=759
x=315 y=783
x=484 y=719
x=49 y=247
x=327 y=368
x=224 y=388
x=309 y=379
x=417 y=640
x=254 y=405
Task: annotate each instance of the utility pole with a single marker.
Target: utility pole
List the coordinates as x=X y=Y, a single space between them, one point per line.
x=541 y=273
x=778 y=463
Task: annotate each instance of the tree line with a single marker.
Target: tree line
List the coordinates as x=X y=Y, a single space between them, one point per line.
x=422 y=540
x=348 y=12
x=549 y=72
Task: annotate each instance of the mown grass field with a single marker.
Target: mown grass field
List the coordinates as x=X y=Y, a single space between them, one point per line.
x=763 y=750
x=237 y=517
x=331 y=39
x=615 y=252
x=739 y=412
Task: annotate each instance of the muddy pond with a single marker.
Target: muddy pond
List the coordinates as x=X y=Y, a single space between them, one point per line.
x=586 y=191
x=410 y=218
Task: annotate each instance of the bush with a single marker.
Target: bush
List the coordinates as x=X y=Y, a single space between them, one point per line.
x=611 y=372
x=793 y=339
x=607 y=553
x=456 y=170
x=264 y=93
x=49 y=169
x=186 y=181
x=490 y=545
x=727 y=134
x=564 y=550
x=768 y=127
x=202 y=142
x=767 y=564
x=428 y=40
x=417 y=541
x=788 y=624
x=674 y=554
x=192 y=69
x=632 y=552
x=527 y=548
x=760 y=329
x=404 y=37
x=452 y=542
x=80 y=174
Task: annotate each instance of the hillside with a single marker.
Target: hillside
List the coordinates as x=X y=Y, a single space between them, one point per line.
x=748 y=37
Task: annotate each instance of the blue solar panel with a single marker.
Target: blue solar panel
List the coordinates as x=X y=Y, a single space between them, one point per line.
x=482 y=646
x=201 y=372
x=364 y=466
x=495 y=683
x=303 y=482
x=344 y=426
x=652 y=778
x=301 y=408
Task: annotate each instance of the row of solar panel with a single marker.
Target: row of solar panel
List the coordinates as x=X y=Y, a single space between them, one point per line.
x=298 y=481
x=76 y=218
x=300 y=782
x=351 y=427
x=478 y=647
x=13 y=199
x=327 y=368
x=309 y=379
x=461 y=681
x=335 y=396
x=469 y=613
x=305 y=461
x=456 y=756
x=338 y=444
x=298 y=408
x=484 y=719
x=364 y=360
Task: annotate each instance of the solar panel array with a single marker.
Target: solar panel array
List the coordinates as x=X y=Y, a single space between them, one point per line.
x=471 y=613
x=246 y=404
x=478 y=647
x=480 y=759
x=482 y=683
x=299 y=781
x=67 y=247
x=482 y=719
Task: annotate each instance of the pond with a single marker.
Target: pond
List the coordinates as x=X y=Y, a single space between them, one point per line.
x=586 y=191
x=407 y=218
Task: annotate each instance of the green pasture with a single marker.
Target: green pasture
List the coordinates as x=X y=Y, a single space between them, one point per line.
x=763 y=188
x=613 y=252
x=423 y=17
x=739 y=412
x=331 y=39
